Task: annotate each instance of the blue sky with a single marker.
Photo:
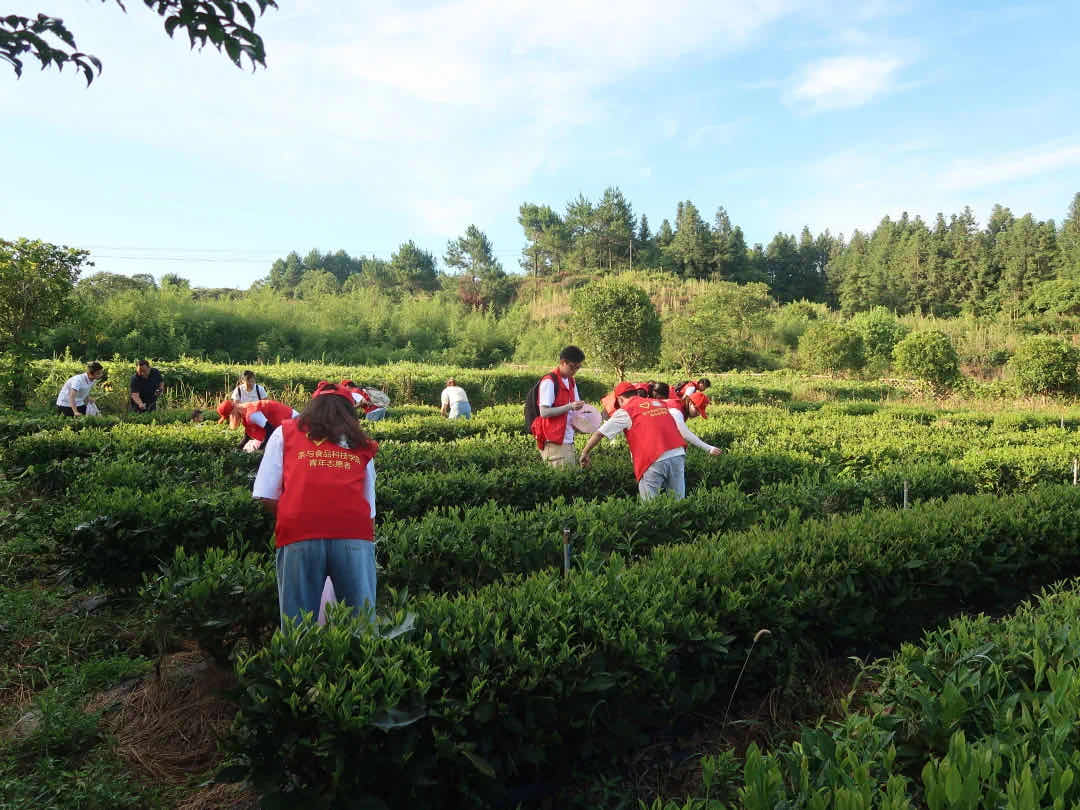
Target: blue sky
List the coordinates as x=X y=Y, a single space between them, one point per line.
x=374 y=124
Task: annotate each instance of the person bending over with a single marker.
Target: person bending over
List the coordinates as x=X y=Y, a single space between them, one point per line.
x=317 y=476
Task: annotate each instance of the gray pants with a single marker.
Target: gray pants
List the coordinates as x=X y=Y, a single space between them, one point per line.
x=668 y=473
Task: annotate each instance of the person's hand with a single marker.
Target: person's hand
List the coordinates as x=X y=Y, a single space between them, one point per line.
x=585 y=460
x=577 y=405
x=716 y=451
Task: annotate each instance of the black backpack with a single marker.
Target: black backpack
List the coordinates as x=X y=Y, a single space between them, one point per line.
x=532 y=401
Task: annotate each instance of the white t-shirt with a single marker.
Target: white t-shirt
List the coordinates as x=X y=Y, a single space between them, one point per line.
x=546 y=398
x=453 y=394
x=241 y=394
x=619 y=422
x=80 y=385
x=688 y=390
x=268 y=479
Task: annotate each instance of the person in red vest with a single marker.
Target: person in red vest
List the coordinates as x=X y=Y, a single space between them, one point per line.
x=657 y=443
x=260 y=418
x=685 y=389
x=608 y=405
x=362 y=400
x=691 y=406
x=318 y=477
x=557 y=396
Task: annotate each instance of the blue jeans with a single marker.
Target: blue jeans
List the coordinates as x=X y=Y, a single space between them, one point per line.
x=302 y=569
x=668 y=473
x=460 y=410
x=375 y=415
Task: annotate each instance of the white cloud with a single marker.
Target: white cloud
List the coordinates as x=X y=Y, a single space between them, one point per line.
x=845 y=81
x=999 y=169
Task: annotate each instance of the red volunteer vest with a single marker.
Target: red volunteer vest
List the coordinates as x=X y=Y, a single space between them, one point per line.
x=676 y=403
x=652 y=433
x=681 y=387
x=553 y=429
x=276 y=414
x=322 y=490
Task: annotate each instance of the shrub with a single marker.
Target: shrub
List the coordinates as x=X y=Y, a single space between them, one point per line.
x=1045 y=365
x=931 y=357
x=828 y=346
x=880 y=330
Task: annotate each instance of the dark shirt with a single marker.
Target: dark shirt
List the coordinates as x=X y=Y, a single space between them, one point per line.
x=146 y=388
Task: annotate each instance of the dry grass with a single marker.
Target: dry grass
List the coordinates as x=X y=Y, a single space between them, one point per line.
x=167 y=726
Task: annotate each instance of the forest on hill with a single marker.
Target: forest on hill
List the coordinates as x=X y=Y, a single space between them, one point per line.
x=988 y=286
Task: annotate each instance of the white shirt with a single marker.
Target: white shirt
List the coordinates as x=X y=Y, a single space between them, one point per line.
x=546 y=397
x=259 y=418
x=452 y=395
x=620 y=421
x=268 y=479
x=690 y=388
x=80 y=385
x=241 y=394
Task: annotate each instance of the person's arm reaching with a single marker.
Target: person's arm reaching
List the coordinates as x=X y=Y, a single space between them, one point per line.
x=268 y=480
x=689 y=436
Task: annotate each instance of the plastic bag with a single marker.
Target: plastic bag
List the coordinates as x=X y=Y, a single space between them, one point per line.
x=92 y=409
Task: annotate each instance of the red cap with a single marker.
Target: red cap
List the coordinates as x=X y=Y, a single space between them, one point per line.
x=624 y=388
x=699 y=400
x=225 y=408
x=326 y=388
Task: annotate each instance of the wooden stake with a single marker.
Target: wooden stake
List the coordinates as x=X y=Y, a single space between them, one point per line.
x=906 y=504
x=566 y=551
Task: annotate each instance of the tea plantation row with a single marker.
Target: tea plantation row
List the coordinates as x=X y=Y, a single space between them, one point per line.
x=495 y=687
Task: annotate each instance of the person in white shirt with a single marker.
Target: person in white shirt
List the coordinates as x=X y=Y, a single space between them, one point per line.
x=247 y=390
x=657 y=435
x=75 y=393
x=552 y=428
x=455 y=402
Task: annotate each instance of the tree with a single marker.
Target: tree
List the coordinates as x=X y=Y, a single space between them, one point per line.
x=691 y=248
x=482 y=281
x=173 y=281
x=828 y=346
x=714 y=332
x=617 y=323
x=36 y=280
x=548 y=240
x=413 y=268
x=1070 y=239
x=103 y=285
x=49 y=41
x=1045 y=365
x=931 y=357
x=315 y=283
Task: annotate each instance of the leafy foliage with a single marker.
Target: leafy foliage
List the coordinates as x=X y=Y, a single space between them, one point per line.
x=617 y=323
x=206 y=21
x=1045 y=365
x=829 y=346
x=931 y=357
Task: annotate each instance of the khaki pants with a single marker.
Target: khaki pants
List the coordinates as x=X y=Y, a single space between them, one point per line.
x=559 y=455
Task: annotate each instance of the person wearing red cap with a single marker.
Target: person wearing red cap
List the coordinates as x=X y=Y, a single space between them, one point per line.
x=657 y=441
x=372 y=411
x=685 y=389
x=260 y=418
x=318 y=477
x=557 y=396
